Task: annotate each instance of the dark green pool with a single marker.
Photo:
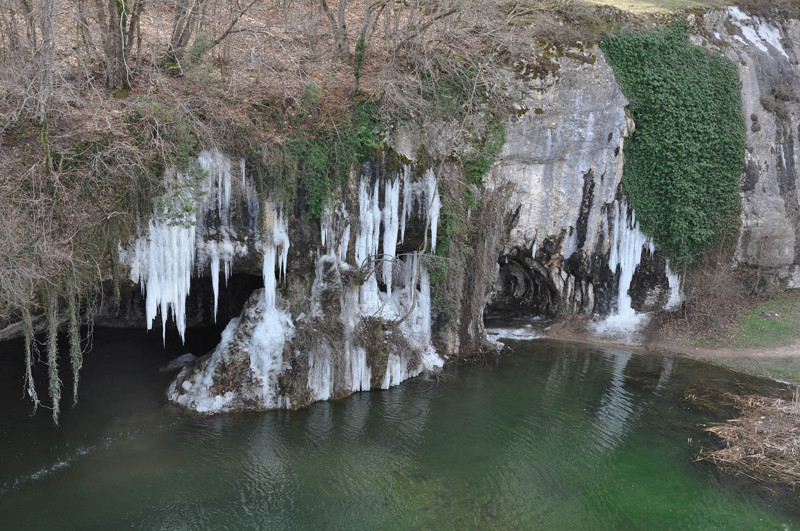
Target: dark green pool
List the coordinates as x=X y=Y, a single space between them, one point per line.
x=553 y=436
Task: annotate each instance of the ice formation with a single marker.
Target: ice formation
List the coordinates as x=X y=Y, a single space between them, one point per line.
x=434 y=206
x=408 y=301
x=424 y=195
x=390 y=229
x=396 y=288
x=260 y=333
x=628 y=243
x=191 y=231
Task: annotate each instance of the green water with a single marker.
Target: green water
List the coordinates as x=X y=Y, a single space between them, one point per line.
x=554 y=436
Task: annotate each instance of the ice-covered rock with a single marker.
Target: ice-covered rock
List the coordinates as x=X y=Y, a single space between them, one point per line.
x=369 y=324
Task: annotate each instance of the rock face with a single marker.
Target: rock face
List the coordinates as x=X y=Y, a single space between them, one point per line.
x=767 y=53
x=564 y=157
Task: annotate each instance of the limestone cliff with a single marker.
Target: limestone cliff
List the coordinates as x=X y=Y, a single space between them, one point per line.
x=767 y=53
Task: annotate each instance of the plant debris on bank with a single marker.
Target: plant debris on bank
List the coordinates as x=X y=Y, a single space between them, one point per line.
x=763 y=443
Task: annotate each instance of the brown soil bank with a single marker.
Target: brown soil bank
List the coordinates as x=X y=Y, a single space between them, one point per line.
x=761 y=338
x=781 y=363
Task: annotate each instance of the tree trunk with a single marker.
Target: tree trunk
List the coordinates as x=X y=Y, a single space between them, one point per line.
x=184 y=24
x=338 y=29
x=46 y=57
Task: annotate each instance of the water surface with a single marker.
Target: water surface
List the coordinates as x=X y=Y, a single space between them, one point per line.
x=553 y=436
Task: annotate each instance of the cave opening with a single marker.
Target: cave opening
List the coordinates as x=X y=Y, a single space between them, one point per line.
x=523 y=290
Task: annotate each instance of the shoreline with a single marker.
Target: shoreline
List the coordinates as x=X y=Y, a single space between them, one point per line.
x=779 y=363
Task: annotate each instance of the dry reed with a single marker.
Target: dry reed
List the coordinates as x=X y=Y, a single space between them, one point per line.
x=763 y=442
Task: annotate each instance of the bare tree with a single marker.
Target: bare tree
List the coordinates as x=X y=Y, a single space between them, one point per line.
x=119 y=22
x=338 y=28
x=188 y=22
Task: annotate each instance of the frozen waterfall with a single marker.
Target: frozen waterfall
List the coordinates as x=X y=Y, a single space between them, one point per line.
x=189 y=232
x=628 y=243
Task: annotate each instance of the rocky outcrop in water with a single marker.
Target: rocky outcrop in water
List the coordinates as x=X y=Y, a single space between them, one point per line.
x=345 y=304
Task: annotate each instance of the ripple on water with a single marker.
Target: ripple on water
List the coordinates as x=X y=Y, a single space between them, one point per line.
x=552 y=436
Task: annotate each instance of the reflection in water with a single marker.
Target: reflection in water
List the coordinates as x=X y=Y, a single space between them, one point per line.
x=616 y=405
x=553 y=436
x=666 y=372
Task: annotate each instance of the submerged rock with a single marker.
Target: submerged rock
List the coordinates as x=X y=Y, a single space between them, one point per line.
x=179 y=362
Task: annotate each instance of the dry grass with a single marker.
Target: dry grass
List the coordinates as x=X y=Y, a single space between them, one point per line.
x=660 y=6
x=763 y=442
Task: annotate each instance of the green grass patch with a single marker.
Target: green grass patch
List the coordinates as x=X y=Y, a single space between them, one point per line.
x=318 y=155
x=684 y=159
x=772 y=323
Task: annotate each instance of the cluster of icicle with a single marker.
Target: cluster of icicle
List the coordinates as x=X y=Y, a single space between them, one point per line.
x=405 y=296
x=628 y=245
x=265 y=327
x=180 y=242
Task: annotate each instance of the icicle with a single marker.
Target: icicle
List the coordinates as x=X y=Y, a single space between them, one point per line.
x=628 y=244
x=375 y=211
x=390 y=228
x=675 y=289
x=357 y=372
x=423 y=307
x=218 y=167
x=280 y=238
x=320 y=376
x=164 y=270
x=268 y=273
x=214 y=252
x=434 y=205
x=368 y=236
x=396 y=371
x=163 y=262
x=344 y=243
x=360 y=371
x=407 y=199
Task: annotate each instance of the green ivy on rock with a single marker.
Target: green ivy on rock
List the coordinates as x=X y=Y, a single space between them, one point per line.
x=684 y=160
